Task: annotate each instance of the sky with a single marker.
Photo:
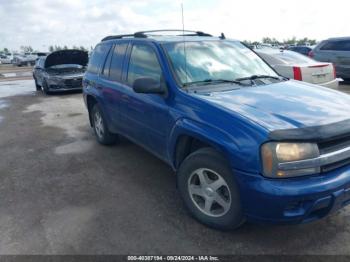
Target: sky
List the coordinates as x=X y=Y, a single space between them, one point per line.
x=41 y=23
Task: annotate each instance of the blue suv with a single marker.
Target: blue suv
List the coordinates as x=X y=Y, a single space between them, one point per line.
x=245 y=143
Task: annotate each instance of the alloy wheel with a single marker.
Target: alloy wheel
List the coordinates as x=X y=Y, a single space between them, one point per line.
x=209 y=192
x=98 y=124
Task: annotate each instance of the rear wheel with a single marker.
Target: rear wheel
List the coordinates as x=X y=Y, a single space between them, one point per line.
x=209 y=190
x=103 y=135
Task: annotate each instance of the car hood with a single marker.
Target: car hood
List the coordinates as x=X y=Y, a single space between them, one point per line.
x=285 y=105
x=63 y=57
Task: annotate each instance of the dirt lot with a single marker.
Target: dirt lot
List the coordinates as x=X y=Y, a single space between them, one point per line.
x=11 y=72
x=62 y=193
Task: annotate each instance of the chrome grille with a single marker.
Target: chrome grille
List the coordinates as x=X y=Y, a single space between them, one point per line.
x=334 y=145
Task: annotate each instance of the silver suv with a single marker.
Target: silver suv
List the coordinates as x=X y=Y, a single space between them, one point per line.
x=336 y=51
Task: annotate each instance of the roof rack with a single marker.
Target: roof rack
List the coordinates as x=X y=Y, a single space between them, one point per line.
x=143 y=34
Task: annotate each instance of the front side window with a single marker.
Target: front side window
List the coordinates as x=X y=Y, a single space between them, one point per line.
x=42 y=62
x=143 y=63
x=224 y=60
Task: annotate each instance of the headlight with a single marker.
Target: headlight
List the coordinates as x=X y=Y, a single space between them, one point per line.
x=275 y=153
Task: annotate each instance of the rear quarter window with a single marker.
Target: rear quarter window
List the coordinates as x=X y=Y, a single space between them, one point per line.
x=97 y=58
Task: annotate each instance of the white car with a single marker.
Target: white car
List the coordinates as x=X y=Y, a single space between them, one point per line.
x=5 y=59
x=299 y=67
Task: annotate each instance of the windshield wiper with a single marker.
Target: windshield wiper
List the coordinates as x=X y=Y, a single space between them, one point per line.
x=212 y=81
x=253 y=77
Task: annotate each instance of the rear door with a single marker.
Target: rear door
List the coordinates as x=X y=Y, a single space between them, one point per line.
x=111 y=83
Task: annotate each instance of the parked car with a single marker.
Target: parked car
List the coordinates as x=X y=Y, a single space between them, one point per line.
x=336 y=51
x=5 y=59
x=299 y=67
x=245 y=143
x=304 y=50
x=60 y=71
x=24 y=59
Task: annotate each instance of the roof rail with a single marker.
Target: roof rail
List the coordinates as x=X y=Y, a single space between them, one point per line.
x=143 y=34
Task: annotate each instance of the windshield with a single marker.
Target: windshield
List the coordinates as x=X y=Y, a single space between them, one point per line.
x=224 y=60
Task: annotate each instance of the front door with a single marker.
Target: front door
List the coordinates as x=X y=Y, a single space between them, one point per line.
x=145 y=117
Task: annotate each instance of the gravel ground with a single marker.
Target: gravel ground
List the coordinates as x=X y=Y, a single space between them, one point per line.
x=62 y=193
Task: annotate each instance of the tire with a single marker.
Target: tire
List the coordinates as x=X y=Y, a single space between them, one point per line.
x=208 y=165
x=103 y=135
x=38 y=88
x=46 y=88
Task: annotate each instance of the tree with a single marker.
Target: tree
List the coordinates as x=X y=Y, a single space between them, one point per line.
x=65 y=47
x=51 y=48
x=27 y=49
x=58 y=48
x=6 y=50
x=290 y=41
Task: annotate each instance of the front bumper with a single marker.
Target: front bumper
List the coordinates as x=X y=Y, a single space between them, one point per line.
x=65 y=84
x=294 y=200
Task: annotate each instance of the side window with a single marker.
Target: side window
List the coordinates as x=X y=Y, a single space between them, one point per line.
x=343 y=45
x=328 y=46
x=97 y=58
x=117 y=61
x=106 y=67
x=143 y=63
x=41 y=62
x=346 y=45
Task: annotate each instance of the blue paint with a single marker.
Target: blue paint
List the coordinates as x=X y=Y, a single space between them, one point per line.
x=237 y=123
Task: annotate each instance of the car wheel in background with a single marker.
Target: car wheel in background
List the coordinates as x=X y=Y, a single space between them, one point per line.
x=103 y=135
x=209 y=190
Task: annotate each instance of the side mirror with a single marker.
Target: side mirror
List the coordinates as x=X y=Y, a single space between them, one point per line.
x=148 y=85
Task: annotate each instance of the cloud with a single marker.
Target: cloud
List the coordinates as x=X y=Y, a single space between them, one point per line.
x=41 y=23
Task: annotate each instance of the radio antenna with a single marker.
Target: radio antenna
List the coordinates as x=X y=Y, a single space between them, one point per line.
x=183 y=37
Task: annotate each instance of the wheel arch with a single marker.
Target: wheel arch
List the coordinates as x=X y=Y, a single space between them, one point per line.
x=188 y=136
x=90 y=102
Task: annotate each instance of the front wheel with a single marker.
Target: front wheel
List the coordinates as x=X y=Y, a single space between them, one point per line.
x=209 y=190
x=46 y=88
x=38 y=87
x=103 y=135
